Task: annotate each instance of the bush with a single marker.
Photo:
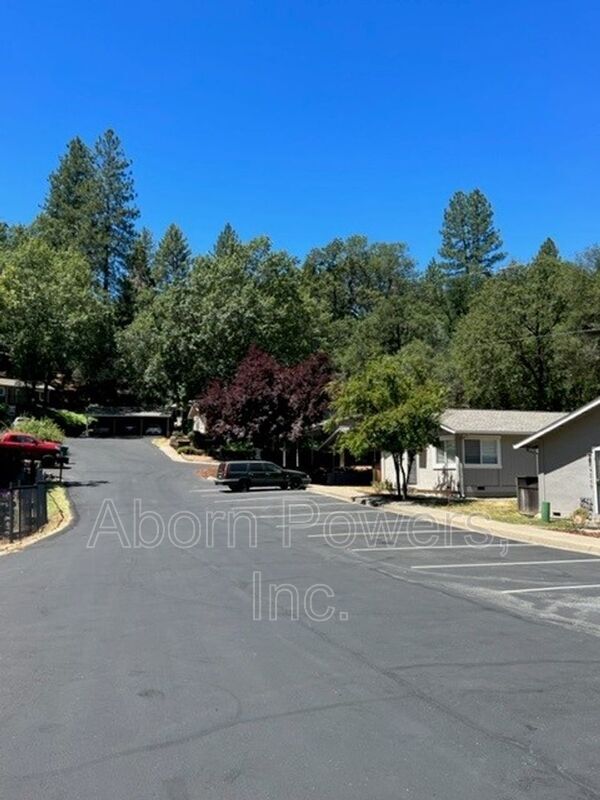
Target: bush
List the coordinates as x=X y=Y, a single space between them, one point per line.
x=188 y=450
x=72 y=423
x=233 y=454
x=383 y=486
x=42 y=429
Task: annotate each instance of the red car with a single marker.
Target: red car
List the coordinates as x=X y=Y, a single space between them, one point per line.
x=48 y=453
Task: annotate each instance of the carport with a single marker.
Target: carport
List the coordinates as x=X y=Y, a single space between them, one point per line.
x=129 y=422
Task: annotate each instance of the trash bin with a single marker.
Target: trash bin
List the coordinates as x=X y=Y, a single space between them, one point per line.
x=545 y=511
x=528 y=495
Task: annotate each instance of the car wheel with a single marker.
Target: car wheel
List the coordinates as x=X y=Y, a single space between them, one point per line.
x=244 y=486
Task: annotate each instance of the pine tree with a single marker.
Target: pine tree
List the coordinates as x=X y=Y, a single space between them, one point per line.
x=227 y=242
x=71 y=208
x=548 y=249
x=116 y=211
x=471 y=246
x=140 y=261
x=136 y=284
x=173 y=258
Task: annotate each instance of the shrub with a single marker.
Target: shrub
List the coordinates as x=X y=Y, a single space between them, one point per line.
x=580 y=517
x=383 y=486
x=72 y=423
x=43 y=429
x=188 y=450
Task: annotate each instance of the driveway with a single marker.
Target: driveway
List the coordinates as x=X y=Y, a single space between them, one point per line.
x=184 y=643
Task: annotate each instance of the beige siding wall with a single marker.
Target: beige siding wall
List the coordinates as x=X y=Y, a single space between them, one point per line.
x=565 y=464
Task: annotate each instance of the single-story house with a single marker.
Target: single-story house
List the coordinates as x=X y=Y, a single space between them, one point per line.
x=15 y=393
x=475 y=455
x=568 y=460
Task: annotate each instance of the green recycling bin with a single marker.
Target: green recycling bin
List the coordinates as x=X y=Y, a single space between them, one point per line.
x=545 y=511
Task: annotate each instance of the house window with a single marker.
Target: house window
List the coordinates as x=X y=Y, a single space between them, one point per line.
x=445 y=453
x=482 y=452
x=423 y=459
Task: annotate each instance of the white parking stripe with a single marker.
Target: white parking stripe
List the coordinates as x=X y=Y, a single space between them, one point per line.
x=505 y=563
x=382 y=533
x=285 y=498
x=381 y=524
x=552 y=588
x=438 y=547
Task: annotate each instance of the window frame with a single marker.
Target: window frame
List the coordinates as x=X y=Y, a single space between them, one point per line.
x=497 y=441
x=447 y=464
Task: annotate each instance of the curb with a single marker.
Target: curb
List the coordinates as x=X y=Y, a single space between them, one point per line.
x=174 y=456
x=559 y=540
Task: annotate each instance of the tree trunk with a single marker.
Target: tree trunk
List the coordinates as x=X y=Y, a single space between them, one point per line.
x=397 y=459
x=410 y=460
x=404 y=481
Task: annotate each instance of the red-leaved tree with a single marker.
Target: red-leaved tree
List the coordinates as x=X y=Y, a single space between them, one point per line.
x=267 y=404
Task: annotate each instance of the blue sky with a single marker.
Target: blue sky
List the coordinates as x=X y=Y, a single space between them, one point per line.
x=307 y=120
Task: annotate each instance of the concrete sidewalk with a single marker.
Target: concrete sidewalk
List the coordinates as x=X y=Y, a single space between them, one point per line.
x=574 y=542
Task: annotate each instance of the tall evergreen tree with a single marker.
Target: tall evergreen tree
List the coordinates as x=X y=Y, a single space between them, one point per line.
x=71 y=208
x=139 y=265
x=116 y=211
x=173 y=258
x=471 y=247
x=227 y=242
x=136 y=284
x=548 y=249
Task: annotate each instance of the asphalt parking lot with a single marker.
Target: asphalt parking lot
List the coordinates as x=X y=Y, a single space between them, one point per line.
x=180 y=642
x=554 y=582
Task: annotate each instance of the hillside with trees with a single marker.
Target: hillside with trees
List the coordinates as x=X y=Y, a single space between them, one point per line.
x=93 y=301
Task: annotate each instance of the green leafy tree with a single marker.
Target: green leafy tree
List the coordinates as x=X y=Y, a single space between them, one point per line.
x=524 y=343
x=193 y=333
x=390 y=408
x=471 y=248
x=363 y=298
x=51 y=318
x=589 y=259
x=173 y=258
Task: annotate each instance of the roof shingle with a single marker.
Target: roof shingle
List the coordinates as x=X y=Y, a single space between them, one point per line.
x=493 y=421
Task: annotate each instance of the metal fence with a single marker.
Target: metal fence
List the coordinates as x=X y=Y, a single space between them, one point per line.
x=23 y=509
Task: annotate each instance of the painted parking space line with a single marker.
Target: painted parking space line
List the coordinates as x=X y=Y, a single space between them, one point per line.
x=328 y=517
x=285 y=498
x=206 y=491
x=439 y=547
x=376 y=534
x=506 y=563
x=383 y=525
x=552 y=588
